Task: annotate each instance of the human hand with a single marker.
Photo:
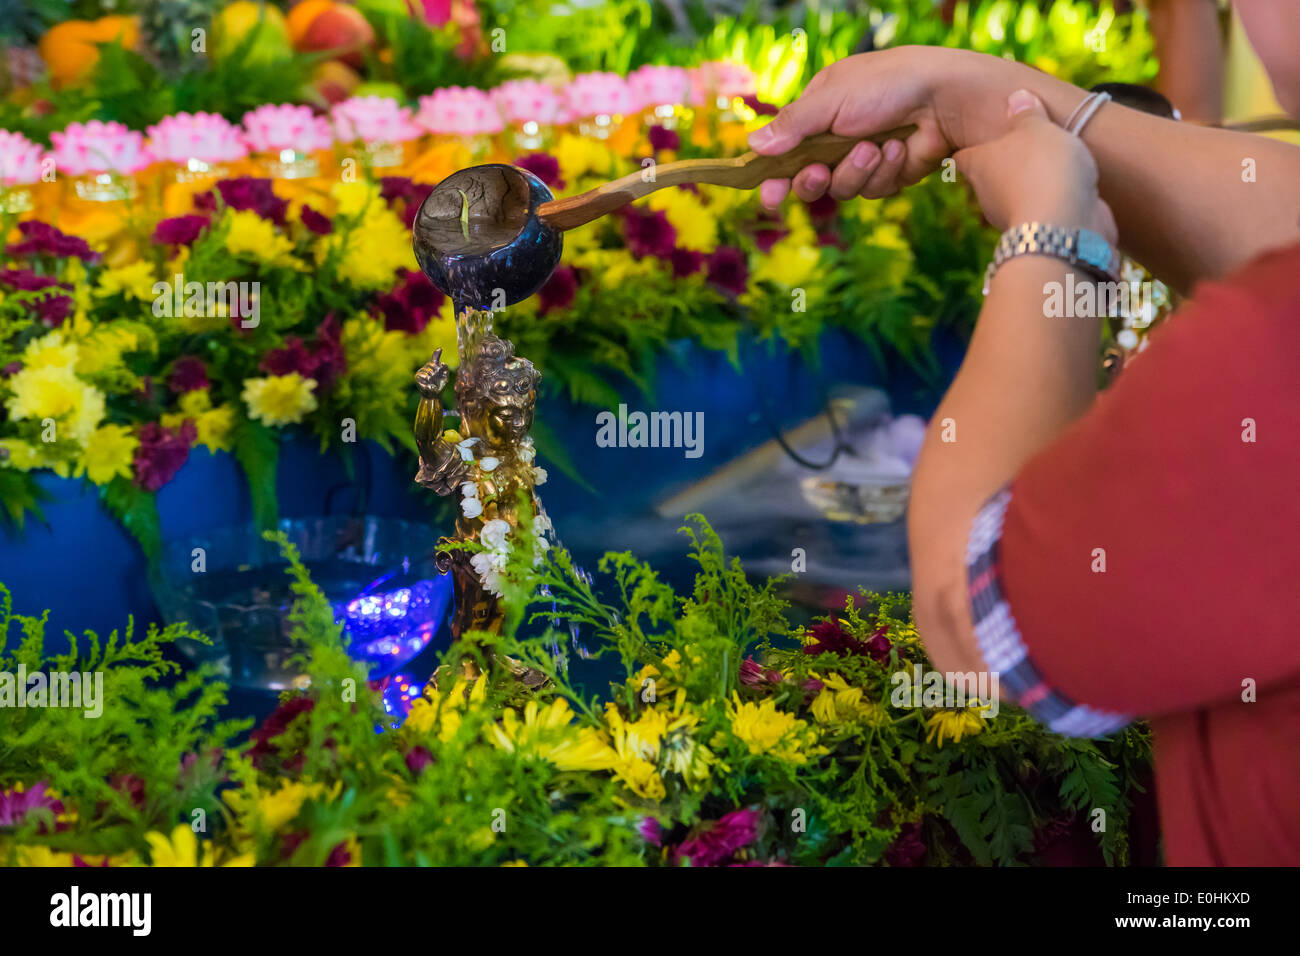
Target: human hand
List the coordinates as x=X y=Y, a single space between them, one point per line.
x=1036 y=172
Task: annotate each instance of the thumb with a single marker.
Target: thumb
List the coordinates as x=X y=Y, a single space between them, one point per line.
x=1023 y=105
x=811 y=113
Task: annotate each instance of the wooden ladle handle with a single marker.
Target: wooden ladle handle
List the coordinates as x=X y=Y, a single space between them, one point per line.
x=742 y=172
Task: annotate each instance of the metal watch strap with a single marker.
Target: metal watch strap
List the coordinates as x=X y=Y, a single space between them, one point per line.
x=1079 y=247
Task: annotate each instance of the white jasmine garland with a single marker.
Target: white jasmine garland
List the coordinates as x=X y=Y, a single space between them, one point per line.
x=489 y=464
x=539 y=475
x=469 y=489
x=471 y=507
x=495 y=533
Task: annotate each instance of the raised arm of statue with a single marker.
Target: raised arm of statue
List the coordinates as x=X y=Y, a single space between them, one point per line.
x=440 y=465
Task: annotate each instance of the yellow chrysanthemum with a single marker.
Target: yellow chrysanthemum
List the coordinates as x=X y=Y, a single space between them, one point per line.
x=370 y=253
x=135 y=281
x=213 y=425
x=440 y=712
x=580 y=156
x=840 y=702
x=766 y=730
x=182 y=849
x=50 y=351
x=789 y=264
x=108 y=454
x=954 y=724
x=889 y=236
x=102 y=348
x=546 y=732
x=351 y=198
x=251 y=235
x=21 y=455
x=279 y=399
x=697 y=227
x=55 y=392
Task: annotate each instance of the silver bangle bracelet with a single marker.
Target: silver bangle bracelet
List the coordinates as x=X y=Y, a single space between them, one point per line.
x=1084 y=112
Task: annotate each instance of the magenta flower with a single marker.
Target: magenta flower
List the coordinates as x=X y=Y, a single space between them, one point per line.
x=652 y=831
x=728 y=270
x=686 y=262
x=25 y=280
x=188 y=374
x=417 y=758
x=544 y=166
x=315 y=221
x=248 y=192
x=40 y=239
x=53 y=310
x=179 y=230
x=753 y=674
x=323 y=360
x=717 y=842
x=16 y=804
x=410 y=306
x=275 y=725
x=649 y=234
x=161 y=453
x=907 y=849
x=559 y=291
x=399 y=188
x=661 y=138
x=759 y=107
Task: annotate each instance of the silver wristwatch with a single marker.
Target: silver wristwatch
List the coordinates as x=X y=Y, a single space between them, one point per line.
x=1079 y=247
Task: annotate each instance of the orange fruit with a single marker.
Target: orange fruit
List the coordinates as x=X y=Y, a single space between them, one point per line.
x=301 y=15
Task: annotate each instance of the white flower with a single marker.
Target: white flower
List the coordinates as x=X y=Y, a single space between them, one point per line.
x=539 y=475
x=488 y=566
x=469 y=489
x=464 y=448
x=489 y=464
x=542 y=523
x=526 y=452
x=471 y=507
x=495 y=533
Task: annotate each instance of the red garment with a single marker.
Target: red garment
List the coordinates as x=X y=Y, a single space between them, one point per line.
x=1201 y=588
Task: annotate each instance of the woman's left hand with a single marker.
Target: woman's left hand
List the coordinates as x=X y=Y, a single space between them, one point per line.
x=1036 y=172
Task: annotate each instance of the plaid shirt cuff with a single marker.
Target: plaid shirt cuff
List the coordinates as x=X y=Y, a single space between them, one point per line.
x=1000 y=642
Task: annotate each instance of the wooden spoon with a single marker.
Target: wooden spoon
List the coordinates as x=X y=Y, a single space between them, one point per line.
x=742 y=172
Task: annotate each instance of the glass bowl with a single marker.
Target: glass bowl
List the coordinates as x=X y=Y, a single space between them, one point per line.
x=377 y=573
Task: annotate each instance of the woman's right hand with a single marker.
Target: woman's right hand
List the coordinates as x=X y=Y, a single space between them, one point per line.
x=955 y=98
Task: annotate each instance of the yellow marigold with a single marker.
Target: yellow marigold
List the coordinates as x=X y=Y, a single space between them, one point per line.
x=135 y=281
x=182 y=849
x=580 y=156
x=766 y=730
x=279 y=399
x=55 y=392
x=108 y=454
x=251 y=235
x=697 y=227
x=22 y=455
x=351 y=198
x=276 y=809
x=789 y=264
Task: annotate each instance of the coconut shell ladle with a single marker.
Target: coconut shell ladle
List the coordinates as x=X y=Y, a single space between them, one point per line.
x=490 y=236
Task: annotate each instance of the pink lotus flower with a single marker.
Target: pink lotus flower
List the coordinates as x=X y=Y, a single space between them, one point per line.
x=660 y=86
x=273 y=128
x=97 y=147
x=721 y=78
x=459 y=111
x=594 y=94
x=373 y=119
x=20 y=160
x=206 y=137
x=523 y=101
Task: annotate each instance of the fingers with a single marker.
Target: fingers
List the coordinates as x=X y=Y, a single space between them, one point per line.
x=811 y=182
x=884 y=179
x=812 y=113
x=773 y=192
x=850 y=176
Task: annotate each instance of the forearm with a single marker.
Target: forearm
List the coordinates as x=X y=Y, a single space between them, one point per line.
x=1025 y=378
x=1190 y=50
x=1180 y=198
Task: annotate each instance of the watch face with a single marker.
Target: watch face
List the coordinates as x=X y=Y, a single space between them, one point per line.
x=1093 y=249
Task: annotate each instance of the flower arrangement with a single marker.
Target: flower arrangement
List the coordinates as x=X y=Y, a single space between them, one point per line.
x=728 y=738
x=205 y=137
x=273 y=128
x=97 y=147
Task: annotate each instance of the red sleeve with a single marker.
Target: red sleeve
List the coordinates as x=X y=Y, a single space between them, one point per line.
x=1198 y=526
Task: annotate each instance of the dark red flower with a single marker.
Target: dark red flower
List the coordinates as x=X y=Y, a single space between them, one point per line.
x=544 y=166
x=275 y=725
x=161 y=453
x=907 y=849
x=686 y=262
x=759 y=107
x=316 y=222
x=12 y=368
x=205 y=201
x=42 y=239
x=830 y=638
x=179 y=230
x=878 y=645
x=53 y=309
x=293 y=356
x=188 y=373
x=822 y=209
x=324 y=360
x=652 y=831
x=400 y=189
x=411 y=304
x=559 y=291
x=16 y=804
x=828 y=237
x=417 y=758
x=661 y=138
x=130 y=786
x=649 y=233
x=339 y=856
x=250 y=193
x=717 y=842
x=728 y=270
x=25 y=280
x=752 y=673
x=765 y=239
